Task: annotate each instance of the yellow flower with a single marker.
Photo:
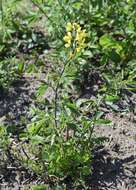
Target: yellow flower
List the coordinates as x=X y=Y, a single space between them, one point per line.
x=76 y=26
x=68 y=39
x=69 y=27
x=75 y=38
x=79 y=29
x=78 y=49
x=67 y=45
x=80 y=37
x=84 y=34
x=83 y=45
x=71 y=55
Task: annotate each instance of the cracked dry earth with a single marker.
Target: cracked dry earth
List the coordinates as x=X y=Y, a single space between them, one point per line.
x=114 y=166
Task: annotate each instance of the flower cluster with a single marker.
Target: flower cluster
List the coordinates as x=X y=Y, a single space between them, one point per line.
x=75 y=37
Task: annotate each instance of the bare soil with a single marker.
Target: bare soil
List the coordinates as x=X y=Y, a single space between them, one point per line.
x=114 y=165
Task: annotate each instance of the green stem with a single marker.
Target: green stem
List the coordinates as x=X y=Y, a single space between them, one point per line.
x=57 y=94
x=42 y=10
x=45 y=14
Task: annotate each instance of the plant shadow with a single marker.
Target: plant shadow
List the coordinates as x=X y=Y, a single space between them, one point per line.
x=112 y=172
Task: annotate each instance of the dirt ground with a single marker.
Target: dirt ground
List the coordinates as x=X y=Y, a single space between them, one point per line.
x=114 y=165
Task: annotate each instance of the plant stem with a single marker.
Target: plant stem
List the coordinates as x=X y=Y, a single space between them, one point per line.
x=45 y=14
x=2 y=14
x=57 y=93
x=41 y=9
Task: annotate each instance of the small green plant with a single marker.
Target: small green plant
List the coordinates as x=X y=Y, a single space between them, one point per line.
x=9 y=72
x=46 y=187
x=39 y=187
x=62 y=134
x=5 y=140
x=60 y=139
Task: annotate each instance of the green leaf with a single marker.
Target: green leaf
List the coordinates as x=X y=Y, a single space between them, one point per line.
x=114 y=56
x=39 y=187
x=41 y=91
x=109 y=43
x=35 y=127
x=53 y=139
x=77 y=5
x=37 y=139
x=103 y=122
x=110 y=98
x=72 y=126
x=20 y=67
x=106 y=41
x=72 y=107
x=98 y=115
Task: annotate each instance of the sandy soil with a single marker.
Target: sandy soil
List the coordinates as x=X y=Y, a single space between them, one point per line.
x=115 y=163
